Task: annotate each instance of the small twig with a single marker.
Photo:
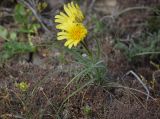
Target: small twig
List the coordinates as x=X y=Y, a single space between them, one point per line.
x=5 y=9
x=11 y=116
x=107 y=17
x=35 y=14
x=146 y=53
x=128 y=88
x=114 y=15
x=139 y=79
x=131 y=9
x=48 y=99
x=91 y=5
x=4 y=12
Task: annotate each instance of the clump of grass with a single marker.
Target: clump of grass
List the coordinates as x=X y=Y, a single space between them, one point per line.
x=146 y=45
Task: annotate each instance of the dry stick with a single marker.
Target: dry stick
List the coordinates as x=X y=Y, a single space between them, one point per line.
x=5 y=12
x=35 y=14
x=5 y=9
x=120 y=86
x=132 y=94
x=48 y=99
x=115 y=15
x=91 y=5
x=146 y=53
x=132 y=8
x=139 y=79
x=3 y=116
x=24 y=105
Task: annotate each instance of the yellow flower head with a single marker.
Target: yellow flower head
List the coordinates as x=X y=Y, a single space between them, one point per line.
x=70 y=24
x=23 y=86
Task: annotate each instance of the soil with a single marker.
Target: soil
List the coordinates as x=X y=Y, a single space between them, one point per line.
x=46 y=87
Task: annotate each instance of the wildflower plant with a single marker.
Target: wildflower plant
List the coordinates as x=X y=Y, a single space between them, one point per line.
x=72 y=29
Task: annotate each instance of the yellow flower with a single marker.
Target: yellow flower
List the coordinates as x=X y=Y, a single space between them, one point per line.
x=72 y=14
x=75 y=33
x=23 y=86
x=71 y=26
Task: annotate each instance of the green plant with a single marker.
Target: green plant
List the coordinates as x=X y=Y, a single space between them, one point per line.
x=146 y=45
x=87 y=110
x=99 y=25
x=91 y=69
x=26 y=28
x=12 y=46
x=4 y=34
x=25 y=20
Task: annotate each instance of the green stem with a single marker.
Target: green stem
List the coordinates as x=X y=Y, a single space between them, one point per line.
x=84 y=44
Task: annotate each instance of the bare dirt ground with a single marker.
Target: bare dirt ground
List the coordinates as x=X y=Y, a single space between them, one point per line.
x=46 y=88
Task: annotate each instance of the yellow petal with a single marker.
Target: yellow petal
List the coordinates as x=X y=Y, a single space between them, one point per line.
x=61 y=26
x=75 y=43
x=62 y=34
x=61 y=37
x=67 y=11
x=68 y=42
x=70 y=46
